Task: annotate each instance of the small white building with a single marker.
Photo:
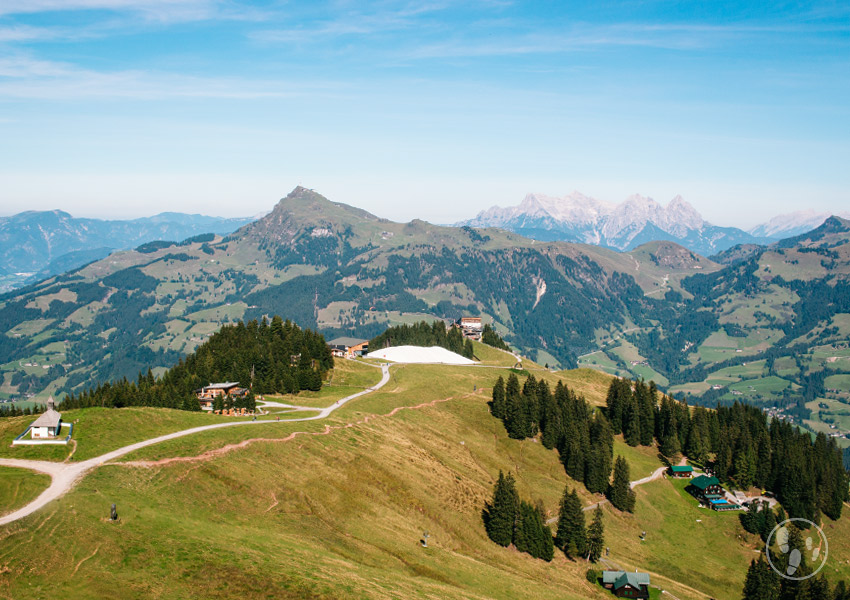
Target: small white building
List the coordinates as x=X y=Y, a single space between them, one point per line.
x=48 y=424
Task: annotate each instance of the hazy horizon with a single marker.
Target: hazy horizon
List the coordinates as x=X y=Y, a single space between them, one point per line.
x=260 y=214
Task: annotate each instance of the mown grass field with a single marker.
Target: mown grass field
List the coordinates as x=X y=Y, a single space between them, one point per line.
x=341 y=513
x=348 y=377
x=99 y=430
x=19 y=486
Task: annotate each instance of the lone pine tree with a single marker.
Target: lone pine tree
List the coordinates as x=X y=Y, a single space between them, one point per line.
x=497 y=408
x=501 y=514
x=595 y=536
x=620 y=492
x=571 y=537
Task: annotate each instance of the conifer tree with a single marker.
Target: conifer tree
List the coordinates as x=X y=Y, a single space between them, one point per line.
x=769 y=522
x=620 y=492
x=523 y=539
x=595 y=536
x=761 y=582
x=619 y=394
x=497 y=407
x=571 y=537
x=631 y=424
x=551 y=424
x=516 y=418
x=531 y=533
x=500 y=515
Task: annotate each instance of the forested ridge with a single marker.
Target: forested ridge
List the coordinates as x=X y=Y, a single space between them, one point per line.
x=739 y=444
x=266 y=357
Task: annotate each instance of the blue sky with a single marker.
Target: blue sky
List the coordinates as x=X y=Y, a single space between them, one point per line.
x=434 y=110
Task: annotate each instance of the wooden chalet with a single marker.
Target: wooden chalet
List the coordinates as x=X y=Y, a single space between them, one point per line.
x=682 y=471
x=709 y=491
x=348 y=347
x=207 y=395
x=625 y=584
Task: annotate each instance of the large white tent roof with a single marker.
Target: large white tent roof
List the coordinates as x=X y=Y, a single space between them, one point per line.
x=419 y=354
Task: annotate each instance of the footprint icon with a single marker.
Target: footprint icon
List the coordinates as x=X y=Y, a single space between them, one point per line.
x=794 y=561
x=782 y=539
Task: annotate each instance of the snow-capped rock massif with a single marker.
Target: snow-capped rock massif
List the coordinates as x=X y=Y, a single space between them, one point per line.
x=635 y=221
x=795 y=223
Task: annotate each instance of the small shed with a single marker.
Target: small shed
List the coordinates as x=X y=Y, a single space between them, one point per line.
x=48 y=424
x=625 y=584
x=682 y=471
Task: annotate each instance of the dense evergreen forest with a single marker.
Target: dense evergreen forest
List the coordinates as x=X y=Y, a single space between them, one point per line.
x=433 y=334
x=583 y=436
x=276 y=357
x=739 y=444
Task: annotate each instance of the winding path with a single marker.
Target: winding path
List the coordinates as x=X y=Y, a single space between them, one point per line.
x=65 y=475
x=656 y=474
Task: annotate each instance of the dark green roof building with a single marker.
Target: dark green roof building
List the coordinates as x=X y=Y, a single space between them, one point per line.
x=704 y=482
x=625 y=584
x=682 y=470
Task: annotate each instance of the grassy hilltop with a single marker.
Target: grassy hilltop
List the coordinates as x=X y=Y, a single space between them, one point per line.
x=341 y=513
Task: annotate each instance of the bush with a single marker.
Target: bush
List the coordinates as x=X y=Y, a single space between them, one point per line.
x=592 y=575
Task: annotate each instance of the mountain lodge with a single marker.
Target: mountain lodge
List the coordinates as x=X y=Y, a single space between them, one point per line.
x=709 y=492
x=348 y=347
x=207 y=395
x=471 y=327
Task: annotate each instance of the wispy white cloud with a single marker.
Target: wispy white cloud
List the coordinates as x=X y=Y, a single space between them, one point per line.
x=26 y=33
x=354 y=23
x=22 y=77
x=579 y=36
x=152 y=10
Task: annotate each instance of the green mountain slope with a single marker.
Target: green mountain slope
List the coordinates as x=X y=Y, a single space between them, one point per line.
x=772 y=328
x=341 y=512
x=327 y=266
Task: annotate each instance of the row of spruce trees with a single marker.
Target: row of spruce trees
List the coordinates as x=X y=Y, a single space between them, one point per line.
x=435 y=334
x=425 y=334
x=565 y=421
x=267 y=357
x=739 y=444
x=10 y=410
x=510 y=520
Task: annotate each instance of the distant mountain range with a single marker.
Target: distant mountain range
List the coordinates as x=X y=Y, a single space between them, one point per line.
x=636 y=221
x=38 y=244
x=660 y=311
